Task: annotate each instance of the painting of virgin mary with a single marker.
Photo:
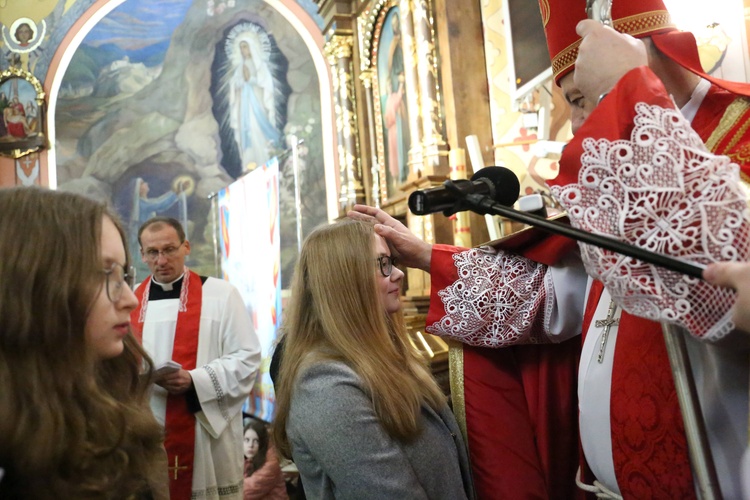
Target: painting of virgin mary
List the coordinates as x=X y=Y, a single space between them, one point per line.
x=254 y=93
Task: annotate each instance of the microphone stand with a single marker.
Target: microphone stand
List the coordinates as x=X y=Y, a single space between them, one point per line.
x=701 y=459
x=485 y=205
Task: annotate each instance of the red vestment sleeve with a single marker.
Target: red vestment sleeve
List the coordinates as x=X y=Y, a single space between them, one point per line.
x=442 y=274
x=520 y=405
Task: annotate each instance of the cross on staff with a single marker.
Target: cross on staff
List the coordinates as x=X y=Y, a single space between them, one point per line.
x=177 y=467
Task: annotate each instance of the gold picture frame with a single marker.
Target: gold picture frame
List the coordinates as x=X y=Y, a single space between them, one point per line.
x=383 y=65
x=391 y=102
x=22 y=103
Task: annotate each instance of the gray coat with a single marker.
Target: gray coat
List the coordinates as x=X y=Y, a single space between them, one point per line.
x=343 y=452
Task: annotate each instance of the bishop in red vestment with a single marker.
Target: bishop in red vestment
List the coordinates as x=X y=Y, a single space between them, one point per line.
x=632 y=433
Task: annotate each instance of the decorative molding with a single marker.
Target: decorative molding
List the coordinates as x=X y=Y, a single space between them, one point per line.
x=368 y=35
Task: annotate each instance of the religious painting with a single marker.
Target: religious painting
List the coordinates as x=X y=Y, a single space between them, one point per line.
x=250 y=79
x=23 y=35
x=21 y=42
x=720 y=33
x=391 y=102
x=165 y=103
x=21 y=108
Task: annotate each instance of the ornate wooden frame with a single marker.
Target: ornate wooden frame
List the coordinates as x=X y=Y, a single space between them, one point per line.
x=24 y=88
x=372 y=25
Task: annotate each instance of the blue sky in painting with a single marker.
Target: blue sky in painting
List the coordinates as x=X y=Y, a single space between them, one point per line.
x=141 y=28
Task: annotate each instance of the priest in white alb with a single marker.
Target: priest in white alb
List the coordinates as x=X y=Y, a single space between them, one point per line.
x=202 y=341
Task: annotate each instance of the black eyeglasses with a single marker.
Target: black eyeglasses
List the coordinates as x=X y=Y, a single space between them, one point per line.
x=169 y=252
x=116 y=277
x=386 y=263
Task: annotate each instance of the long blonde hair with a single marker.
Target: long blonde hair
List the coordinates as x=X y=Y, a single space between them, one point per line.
x=70 y=426
x=336 y=313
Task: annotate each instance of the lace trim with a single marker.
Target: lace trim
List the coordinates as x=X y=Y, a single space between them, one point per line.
x=182 y=307
x=664 y=192
x=220 y=399
x=144 y=301
x=184 y=291
x=218 y=491
x=495 y=301
x=550 y=300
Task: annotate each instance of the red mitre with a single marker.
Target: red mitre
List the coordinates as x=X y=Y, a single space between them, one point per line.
x=638 y=18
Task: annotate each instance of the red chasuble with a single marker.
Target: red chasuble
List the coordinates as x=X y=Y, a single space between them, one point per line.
x=648 y=439
x=179 y=423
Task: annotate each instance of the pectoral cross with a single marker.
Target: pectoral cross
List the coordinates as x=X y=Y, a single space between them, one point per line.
x=176 y=467
x=606 y=323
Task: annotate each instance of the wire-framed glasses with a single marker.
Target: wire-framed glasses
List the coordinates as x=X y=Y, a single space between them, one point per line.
x=117 y=277
x=386 y=263
x=169 y=252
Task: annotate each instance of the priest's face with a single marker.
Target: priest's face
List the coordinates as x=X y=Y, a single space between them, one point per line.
x=580 y=107
x=108 y=321
x=163 y=252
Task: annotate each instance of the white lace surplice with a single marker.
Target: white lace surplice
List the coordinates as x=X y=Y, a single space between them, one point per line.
x=664 y=192
x=501 y=299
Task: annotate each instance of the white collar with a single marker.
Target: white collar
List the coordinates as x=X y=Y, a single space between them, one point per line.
x=167 y=287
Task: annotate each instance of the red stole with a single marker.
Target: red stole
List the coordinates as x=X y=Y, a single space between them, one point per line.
x=179 y=425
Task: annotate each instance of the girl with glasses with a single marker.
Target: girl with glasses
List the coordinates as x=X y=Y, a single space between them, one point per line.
x=357 y=407
x=74 y=415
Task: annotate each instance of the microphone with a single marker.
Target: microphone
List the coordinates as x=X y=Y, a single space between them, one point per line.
x=498 y=183
x=493 y=190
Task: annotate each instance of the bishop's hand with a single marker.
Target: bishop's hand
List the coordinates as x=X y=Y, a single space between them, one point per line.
x=405 y=246
x=735 y=275
x=604 y=57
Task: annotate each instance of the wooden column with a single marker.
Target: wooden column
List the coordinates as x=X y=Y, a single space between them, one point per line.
x=434 y=146
x=339 y=53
